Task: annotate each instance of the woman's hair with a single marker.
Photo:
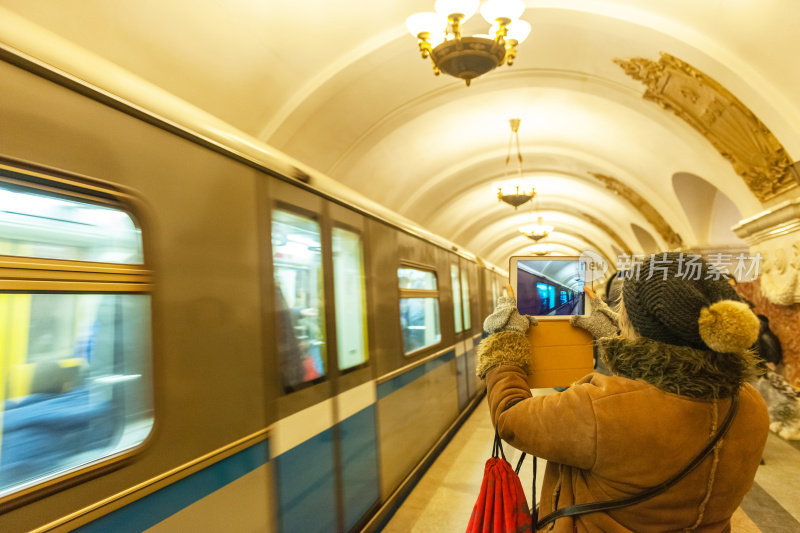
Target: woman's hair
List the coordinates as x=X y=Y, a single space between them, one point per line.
x=613 y=289
x=626 y=329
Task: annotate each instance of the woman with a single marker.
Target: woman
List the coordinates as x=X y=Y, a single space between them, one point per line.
x=679 y=361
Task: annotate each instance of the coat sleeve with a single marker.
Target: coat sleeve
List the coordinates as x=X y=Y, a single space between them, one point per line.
x=559 y=427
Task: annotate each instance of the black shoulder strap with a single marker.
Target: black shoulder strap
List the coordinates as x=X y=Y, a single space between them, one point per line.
x=586 y=508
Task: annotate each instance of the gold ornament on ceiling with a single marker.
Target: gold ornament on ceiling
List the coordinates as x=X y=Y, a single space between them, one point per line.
x=647 y=210
x=739 y=136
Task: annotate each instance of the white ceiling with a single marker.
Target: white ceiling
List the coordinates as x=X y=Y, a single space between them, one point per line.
x=340 y=86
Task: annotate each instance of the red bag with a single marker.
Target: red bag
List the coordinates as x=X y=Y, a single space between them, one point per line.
x=501 y=505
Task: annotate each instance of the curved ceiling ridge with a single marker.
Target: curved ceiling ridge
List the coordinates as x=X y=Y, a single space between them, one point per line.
x=500 y=81
x=604 y=183
x=578 y=158
x=503 y=249
x=587 y=243
x=718 y=53
x=331 y=71
x=576 y=218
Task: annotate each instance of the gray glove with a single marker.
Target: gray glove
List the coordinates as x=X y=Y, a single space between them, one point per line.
x=507 y=318
x=602 y=322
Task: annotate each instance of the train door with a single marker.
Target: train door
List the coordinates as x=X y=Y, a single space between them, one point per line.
x=355 y=388
x=324 y=447
x=462 y=319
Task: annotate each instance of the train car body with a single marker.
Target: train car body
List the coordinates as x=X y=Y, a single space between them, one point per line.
x=249 y=352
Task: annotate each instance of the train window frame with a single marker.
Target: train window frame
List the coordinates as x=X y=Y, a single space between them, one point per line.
x=363 y=284
x=318 y=219
x=466 y=311
x=22 y=275
x=407 y=293
x=455 y=286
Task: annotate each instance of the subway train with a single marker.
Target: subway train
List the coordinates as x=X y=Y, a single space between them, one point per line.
x=196 y=334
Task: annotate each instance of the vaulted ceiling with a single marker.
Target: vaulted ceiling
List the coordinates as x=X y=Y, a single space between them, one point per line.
x=340 y=87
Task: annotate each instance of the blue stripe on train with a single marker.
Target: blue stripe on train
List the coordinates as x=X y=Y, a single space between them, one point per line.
x=153 y=508
x=359 y=445
x=306 y=497
x=397 y=383
x=304 y=475
x=305 y=484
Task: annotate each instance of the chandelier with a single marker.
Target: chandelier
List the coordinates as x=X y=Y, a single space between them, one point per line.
x=468 y=57
x=536 y=232
x=540 y=251
x=516 y=198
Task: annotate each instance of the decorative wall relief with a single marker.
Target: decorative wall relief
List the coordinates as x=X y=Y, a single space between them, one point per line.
x=784 y=321
x=778 y=278
x=647 y=210
x=775 y=234
x=739 y=136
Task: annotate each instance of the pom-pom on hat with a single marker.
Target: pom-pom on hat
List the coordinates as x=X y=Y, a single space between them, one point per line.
x=680 y=299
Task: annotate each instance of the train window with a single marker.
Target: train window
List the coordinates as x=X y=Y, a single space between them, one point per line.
x=350 y=295
x=465 y=298
x=419 y=308
x=297 y=259
x=541 y=288
x=75 y=359
x=34 y=224
x=455 y=282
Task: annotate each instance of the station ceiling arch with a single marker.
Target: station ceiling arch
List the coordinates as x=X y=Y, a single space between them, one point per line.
x=340 y=87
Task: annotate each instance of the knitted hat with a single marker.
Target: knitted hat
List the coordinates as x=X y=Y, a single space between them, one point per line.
x=680 y=299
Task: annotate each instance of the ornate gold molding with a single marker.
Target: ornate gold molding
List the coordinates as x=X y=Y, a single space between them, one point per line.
x=739 y=136
x=647 y=210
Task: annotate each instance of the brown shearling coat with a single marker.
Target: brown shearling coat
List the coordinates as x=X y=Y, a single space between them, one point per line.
x=609 y=437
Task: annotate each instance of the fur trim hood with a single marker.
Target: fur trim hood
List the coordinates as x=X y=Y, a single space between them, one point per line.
x=683 y=370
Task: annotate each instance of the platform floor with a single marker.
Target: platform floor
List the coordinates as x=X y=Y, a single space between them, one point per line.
x=442 y=501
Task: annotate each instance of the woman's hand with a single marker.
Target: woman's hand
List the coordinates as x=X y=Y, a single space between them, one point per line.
x=602 y=322
x=506 y=343
x=506 y=317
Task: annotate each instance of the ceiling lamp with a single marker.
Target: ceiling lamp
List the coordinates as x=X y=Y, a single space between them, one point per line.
x=540 y=251
x=468 y=57
x=515 y=198
x=536 y=232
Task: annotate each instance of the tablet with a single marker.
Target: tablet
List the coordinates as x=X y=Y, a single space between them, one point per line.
x=549 y=287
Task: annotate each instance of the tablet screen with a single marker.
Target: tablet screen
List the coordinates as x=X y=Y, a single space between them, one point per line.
x=550 y=287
